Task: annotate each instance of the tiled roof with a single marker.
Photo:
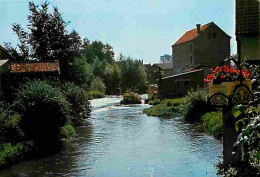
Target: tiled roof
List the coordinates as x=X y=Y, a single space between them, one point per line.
x=167 y=65
x=247 y=16
x=35 y=66
x=190 y=35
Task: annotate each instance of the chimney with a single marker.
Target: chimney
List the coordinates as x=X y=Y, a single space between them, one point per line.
x=198 y=29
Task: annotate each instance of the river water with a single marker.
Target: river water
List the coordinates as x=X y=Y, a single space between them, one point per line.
x=121 y=141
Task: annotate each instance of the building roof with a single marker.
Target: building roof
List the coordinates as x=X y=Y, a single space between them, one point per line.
x=192 y=34
x=6 y=52
x=247 y=16
x=34 y=66
x=193 y=71
x=167 y=65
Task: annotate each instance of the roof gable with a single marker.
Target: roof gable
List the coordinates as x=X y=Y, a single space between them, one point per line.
x=34 y=66
x=190 y=35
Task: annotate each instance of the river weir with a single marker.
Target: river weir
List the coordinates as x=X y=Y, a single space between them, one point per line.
x=122 y=141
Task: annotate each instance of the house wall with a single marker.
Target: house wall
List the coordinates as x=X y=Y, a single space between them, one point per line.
x=171 y=87
x=250 y=47
x=209 y=51
x=153 y=74
x=181 y=55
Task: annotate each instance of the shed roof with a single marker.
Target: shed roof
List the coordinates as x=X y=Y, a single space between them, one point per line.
x=168 y=65
x=193 y=71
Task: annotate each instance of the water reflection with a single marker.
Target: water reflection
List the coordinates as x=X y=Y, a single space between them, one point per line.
x=121 y=141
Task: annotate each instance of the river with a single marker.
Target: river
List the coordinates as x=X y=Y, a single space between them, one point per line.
x=121 y=141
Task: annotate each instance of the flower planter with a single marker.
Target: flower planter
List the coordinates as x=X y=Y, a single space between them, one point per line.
x=227 y=88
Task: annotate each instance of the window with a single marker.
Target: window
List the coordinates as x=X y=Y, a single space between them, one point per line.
x=209 y=35
x=214 y=35
x=178 y=83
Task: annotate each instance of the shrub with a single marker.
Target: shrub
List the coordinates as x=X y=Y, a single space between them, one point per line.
x=162 y=110
x=98 y=85
x=174 y=102
x=8 y=119
x=79 y=104
x=131 y=98
x=213 y=124
x=67 y=130
x=44 y=109
x=9 y=153
x=93 y=94
x=154 y=102
x=197 y=104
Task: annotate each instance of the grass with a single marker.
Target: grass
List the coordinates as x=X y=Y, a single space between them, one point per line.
x=167 y=108
x=213 y=124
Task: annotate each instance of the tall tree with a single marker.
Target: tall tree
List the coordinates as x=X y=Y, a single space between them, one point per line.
x=47 y=38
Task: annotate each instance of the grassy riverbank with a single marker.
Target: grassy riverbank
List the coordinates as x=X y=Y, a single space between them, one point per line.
x=192 y=108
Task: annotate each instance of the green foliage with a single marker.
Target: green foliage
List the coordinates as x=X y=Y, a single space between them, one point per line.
x=197 y=104
x=112 y=79
x=8 y=119
x=98 y=85
x=213 y=124
x=133 y=76
x=131 y=98
x=9 y=152
x=154 y=102
x=162 y=110
x=93 y=94
x=79 y=104
x=67 y=131
x=174 y=102
x=47 y=38
x=44 y=109
x=80 y=72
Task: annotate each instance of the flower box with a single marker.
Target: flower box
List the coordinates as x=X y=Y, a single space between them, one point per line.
x=227 y=88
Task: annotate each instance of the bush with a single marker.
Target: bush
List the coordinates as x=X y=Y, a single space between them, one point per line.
x=9 y=153
x=174 y=102
x=213 y=124
x=44 y=109
x=162 y=110
x=93 y=94
x=67 y=130
x=79 y=104
x=131 y=98
x=154 y=102
x=98 y=85
x=197 y=104
x=8 y=119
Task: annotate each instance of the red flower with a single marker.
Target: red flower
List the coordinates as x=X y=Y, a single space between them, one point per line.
x=222 y=76
x=231 y=71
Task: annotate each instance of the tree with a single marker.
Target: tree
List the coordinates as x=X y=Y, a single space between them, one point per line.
x=133 y=76
x=47 y=38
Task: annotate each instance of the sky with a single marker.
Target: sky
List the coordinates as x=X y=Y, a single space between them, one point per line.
x=141 y=29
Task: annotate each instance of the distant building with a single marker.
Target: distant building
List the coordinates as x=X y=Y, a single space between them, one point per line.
x=158 y=70
x=194 y=54
x=247 y=30
x=202 y=47
x=165 y=58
